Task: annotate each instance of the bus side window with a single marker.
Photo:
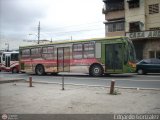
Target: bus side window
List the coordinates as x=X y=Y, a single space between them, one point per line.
x=48 y=52
x=77 y=51
x=25 y=53
x=36 y=52
x=89 y=50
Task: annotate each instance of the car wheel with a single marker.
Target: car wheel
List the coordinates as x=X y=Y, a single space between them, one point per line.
x=140 y=72
x=96 y=70
x=40 y=70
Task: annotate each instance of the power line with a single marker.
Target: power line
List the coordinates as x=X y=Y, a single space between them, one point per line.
x=78 y=31
x=68 y=26
x=76 y=25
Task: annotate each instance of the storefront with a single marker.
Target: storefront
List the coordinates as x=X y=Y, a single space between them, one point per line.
x=147 y=43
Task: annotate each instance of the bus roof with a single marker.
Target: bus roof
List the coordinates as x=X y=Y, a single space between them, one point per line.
x=75 y=41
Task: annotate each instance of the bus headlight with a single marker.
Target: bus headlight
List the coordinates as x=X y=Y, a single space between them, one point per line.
x=132 y=64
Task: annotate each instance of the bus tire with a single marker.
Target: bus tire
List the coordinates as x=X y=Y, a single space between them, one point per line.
x=15 y=70
x=96 y=70
x=54 y=73
x=40 y=70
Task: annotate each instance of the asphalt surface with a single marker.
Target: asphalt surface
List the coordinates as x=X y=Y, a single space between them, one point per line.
x=122 y=80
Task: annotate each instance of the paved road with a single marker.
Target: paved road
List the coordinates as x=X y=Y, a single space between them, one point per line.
x=123 y=80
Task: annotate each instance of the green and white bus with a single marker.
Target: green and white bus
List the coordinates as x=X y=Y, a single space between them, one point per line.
x=93 y=56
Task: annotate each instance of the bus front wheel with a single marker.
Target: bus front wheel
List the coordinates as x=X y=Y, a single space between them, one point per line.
x=40 y=70
x=15 y=70
x=96 y=70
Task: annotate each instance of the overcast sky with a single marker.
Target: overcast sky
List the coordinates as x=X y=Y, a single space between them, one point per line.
x=60 y=19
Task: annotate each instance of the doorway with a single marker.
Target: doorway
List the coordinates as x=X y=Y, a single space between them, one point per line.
x=63 y=59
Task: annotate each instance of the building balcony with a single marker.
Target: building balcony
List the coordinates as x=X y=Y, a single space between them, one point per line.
x=112 y=6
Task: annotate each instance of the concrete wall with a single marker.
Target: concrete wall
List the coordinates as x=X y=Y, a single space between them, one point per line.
x=151 y=45
x=117 y=33
x=115 y=15
x=152 y=20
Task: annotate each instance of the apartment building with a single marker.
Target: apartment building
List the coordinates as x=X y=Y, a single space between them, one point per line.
x=114 y=17
x=137 y=19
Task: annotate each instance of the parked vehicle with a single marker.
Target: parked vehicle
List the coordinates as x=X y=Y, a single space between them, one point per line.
x=151 y=65
x=10 y=62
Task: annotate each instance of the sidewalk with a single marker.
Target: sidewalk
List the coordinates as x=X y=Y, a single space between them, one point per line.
x=18 y=98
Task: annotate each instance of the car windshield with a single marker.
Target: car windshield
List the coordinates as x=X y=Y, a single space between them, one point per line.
x=146 y=61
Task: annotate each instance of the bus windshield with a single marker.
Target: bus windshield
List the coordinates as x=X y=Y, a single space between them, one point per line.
x=131 y=51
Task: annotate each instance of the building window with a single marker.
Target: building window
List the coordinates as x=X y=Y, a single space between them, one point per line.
x=113 y=5
x=116 y=26
x=153 y=8
x=134 y=27
x=133 y=3
x=154 y=54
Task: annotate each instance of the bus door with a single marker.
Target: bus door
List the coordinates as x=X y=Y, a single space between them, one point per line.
x=114 y=58
x=7 y=60
x=63 y=59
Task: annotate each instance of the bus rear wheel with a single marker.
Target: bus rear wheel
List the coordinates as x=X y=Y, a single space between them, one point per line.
x=96 y=70
x=40 y=70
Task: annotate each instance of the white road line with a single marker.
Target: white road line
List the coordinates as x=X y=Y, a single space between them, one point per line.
x=120 y=87
x=114 y=79
x=149 y=76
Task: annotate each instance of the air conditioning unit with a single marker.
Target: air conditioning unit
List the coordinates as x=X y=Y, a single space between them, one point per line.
x=129 y=0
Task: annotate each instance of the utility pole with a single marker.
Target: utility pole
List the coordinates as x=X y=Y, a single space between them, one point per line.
x=39 y=32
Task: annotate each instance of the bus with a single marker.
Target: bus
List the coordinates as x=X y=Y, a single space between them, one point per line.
x=93 y=56
x=10 y=61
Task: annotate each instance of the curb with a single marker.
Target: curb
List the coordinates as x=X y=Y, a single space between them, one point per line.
x=12 y=80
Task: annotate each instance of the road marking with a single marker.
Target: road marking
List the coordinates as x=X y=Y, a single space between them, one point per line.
x=120 y=87
x=149 y=76
x=114 y=79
